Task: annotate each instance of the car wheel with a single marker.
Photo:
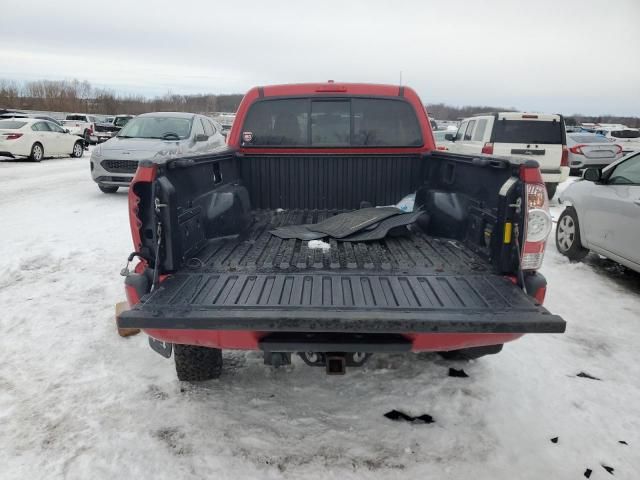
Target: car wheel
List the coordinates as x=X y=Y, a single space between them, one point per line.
x=37 y=152
x=551 y=189
x=108 y=188
x=568 y=236
x=471 y=353
x=196 y=364
x=78 y=150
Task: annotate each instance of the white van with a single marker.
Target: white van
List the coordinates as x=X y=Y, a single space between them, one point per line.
x=536 y=136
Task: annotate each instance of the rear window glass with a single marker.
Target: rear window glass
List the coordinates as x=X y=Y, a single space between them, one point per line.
x=330 y=123
x=81 y=118
x=363 y=122
x=278 y=122
x=11 y=124
x=625 y=133
x=588 y=138
x=527 y=131
x=385 y=123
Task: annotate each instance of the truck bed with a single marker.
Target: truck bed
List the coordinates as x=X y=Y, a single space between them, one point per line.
x=413 y=283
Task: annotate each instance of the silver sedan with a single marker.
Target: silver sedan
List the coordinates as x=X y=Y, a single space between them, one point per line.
x=602 y=214
x=590 y=150
x=152 y=136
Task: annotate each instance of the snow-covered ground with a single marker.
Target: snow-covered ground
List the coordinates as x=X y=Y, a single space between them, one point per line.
x=78 y=401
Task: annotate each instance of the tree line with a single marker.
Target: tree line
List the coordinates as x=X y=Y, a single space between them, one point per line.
x=82 y=97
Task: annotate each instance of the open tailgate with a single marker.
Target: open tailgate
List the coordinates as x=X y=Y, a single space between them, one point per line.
x=341 y=302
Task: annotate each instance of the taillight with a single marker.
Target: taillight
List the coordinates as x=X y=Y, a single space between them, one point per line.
x=537 y=218
x=12 y=136
x=564 y=162
x=618 y=149
x=577 y=149
x=143 y=175
x=487 y=148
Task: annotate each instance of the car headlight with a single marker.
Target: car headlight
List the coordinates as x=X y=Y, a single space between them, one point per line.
x=538 y=225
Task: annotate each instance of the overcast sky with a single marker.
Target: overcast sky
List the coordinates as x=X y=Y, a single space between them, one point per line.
x=553 y=56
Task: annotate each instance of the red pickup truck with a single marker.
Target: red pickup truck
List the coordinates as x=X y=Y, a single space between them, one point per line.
x=462 y=280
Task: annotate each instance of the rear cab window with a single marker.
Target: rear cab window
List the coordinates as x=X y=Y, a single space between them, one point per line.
x=332 y=122
x=528 y=131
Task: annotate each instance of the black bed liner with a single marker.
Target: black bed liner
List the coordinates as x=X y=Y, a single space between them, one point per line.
x=415 y=283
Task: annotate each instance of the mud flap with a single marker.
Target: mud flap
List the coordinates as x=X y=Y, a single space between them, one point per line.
x=163 y=348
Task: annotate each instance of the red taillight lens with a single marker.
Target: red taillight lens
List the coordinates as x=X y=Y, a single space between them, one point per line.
x=488 y=148
x=12 y=136
x=564 y=162
x=537 y=219
x=143 y=175
x=577 y=149
x=618 y=149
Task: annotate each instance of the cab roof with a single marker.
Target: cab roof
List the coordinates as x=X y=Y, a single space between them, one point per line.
x=332 y=88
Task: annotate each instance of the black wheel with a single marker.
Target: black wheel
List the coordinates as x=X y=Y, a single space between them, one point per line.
x=108 y=188
x=196 y=364
x=551 y=189
x=471 y=353
x=78 y=149
x=568 y=236
x=37 y=152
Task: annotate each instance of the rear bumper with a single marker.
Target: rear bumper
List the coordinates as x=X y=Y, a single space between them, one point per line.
x=594 y=162
x=267 y=341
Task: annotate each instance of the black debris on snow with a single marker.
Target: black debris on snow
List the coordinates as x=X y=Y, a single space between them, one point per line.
x=396 y=415
x=454 y=372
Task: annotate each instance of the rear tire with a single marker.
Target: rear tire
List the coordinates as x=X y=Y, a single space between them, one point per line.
x=471 y=353
x=108 y=188
x=568 y=240
x=551 y=189
x=197 y=364
x=37 y=152
x=78 y=149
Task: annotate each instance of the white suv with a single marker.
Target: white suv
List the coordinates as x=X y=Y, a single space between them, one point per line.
x=536 y=136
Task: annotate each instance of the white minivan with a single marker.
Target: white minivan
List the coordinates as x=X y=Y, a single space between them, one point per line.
x=536 y=136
